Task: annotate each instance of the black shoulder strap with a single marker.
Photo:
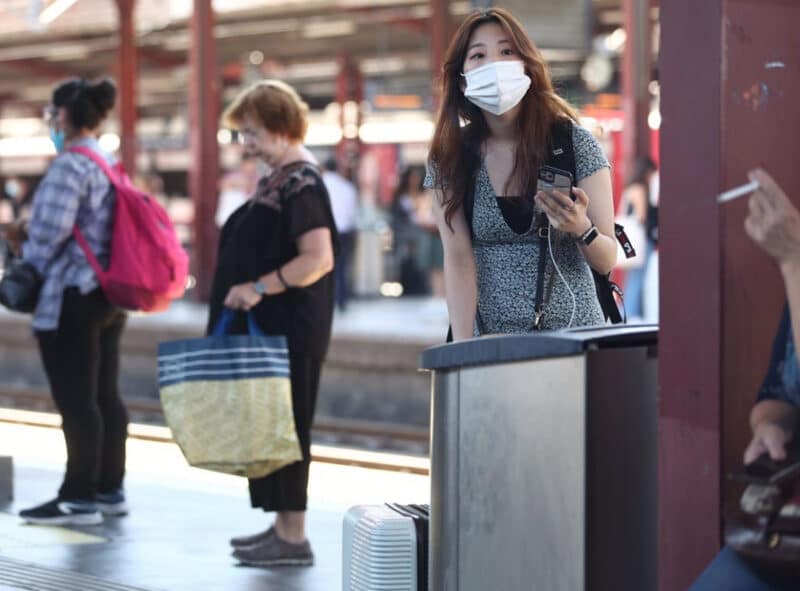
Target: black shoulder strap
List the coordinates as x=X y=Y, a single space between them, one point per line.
x=560 y=153
x=472 y=159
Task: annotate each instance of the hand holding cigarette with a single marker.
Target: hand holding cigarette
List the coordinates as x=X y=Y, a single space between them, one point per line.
x=773 y=221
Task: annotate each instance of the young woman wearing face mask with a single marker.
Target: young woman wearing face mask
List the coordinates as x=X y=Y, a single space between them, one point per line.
x=77 y=329
x=499 y=122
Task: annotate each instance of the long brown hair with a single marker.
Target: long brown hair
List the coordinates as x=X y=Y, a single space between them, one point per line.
x=456 y=150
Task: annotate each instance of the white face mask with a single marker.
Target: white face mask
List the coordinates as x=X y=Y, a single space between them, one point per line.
x=497 y=86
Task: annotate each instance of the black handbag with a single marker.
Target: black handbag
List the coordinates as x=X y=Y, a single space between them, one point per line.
x=766 y=528
x=20 y=286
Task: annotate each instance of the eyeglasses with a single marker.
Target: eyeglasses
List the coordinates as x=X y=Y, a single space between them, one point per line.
x=245 y=134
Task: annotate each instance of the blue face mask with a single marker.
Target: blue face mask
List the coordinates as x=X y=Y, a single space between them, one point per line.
x=57 y=136
x=12 y=189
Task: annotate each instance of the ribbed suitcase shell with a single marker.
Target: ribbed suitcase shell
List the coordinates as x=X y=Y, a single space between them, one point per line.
x=379 y=550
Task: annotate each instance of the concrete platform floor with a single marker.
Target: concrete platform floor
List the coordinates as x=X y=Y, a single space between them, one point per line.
x=176 y=537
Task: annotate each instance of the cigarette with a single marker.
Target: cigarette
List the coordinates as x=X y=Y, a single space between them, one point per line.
x=738 y=192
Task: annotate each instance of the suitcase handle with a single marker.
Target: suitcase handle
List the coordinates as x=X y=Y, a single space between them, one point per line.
x=420 y=516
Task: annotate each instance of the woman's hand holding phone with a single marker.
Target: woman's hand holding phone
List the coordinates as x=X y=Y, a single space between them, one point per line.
x=565 y=209
x=564 y=206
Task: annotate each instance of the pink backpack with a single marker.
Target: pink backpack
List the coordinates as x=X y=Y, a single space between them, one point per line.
x=148 y=266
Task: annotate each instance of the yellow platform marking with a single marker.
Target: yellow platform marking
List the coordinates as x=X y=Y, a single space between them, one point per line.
x=14 y=533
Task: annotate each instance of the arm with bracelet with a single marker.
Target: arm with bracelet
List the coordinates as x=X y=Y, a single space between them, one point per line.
x=307 y=224
x=313 y=261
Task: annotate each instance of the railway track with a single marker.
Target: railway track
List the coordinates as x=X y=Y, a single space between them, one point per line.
x=370 y=444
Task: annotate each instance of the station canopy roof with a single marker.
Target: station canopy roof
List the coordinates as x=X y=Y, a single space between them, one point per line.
x=300 y=41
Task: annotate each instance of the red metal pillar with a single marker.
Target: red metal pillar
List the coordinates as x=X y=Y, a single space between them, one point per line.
x=127 y=85
x=440 y=39
x=691 y=331
x=204 y=106
x=636 y=69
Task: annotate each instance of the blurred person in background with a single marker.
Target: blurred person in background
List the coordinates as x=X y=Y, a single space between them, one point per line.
x=773 y=223
x=635 y=203
x=6 y=217
x=14 y=213
x=9 y=200
x=152 y=183
x=650 y=296
x=77 y=329
x=495 y=81
x=407 y=233
x=18 y=193
x=344 y=202
x=236 y=187
x=275 y=259
x=13 y=235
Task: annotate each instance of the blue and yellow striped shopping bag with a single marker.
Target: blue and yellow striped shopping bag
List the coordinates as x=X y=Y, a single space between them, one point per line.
x=228 y=400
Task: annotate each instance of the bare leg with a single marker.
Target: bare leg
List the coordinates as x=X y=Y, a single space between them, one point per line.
x=291 y=526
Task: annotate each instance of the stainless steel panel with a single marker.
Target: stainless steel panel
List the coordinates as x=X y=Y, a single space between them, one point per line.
x=521 y=476
x=544 y=471
x=443 y=556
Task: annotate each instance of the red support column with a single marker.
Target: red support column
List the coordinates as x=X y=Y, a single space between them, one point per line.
x=636 y=68
x=690 y=269
x=440 y=39
x=127 y=85
x=204 y=106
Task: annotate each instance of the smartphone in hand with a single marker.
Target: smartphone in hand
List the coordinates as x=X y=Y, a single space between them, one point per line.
x=554 y=179
x=764 y=470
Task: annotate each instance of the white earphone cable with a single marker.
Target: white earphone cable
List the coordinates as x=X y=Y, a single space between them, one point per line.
x=561 y=275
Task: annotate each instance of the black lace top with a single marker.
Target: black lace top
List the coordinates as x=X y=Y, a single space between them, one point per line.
x=261 y=236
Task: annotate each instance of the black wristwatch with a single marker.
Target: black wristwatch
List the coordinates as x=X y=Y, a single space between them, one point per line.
x=589 y=235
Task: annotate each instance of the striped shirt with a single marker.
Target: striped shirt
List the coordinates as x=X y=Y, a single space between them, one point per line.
x=73 y=191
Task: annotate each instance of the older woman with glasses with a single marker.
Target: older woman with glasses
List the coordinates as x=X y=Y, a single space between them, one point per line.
x=276 y=254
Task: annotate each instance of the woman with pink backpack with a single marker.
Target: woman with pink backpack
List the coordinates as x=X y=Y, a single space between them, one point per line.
x=78 y=330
